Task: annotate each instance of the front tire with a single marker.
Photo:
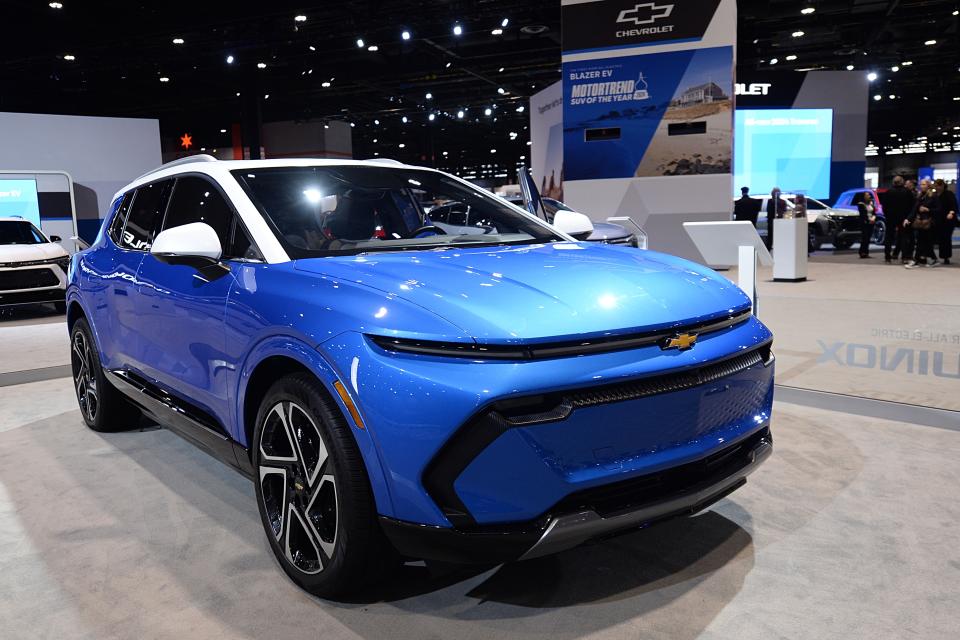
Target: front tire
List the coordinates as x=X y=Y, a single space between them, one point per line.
x=103 y=408
x=313 y=492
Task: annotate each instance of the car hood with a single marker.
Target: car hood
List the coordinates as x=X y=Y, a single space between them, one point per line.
x=608 y=231
x=30 y=252
x=547 y=292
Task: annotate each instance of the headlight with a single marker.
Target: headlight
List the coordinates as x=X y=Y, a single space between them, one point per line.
x=63 y=263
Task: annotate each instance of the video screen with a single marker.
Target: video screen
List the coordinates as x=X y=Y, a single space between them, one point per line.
x=19 y=198
x=786 y=148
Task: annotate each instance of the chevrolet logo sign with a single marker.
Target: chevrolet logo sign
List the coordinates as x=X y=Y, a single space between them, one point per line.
x=682 y=341
x=645 y=13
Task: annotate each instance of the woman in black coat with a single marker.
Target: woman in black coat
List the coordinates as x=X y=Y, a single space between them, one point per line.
x=868 y=218
x=947 y=220
x=923 y=221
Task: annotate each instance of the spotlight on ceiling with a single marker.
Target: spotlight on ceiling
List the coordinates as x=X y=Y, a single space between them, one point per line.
x=429 y=96
x=505 y=22
x=791 y=57
x=849 y=67
x=405 y=35
x=373 y=47
x=871 y=76
x=496 y=32
x=376 y=122
x=223 y=130
x=325 y=84
x=487 y=112
x=520 y=109
x=501 y=90
x=774 y=61
x=906 y=63
x=230 y=59
x=431 y=117
x=457 y=30
x=69 y=57
x=300 y=18
x=164 y=79
x=56 y=5
x=447 y=66
x=930 y=43
x=178 y=41
x=360 y=43
x=460 y=114
x=403 y=119
x=807 y=10
x=797 y=34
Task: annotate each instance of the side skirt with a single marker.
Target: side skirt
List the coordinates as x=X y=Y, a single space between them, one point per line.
x=187 y=421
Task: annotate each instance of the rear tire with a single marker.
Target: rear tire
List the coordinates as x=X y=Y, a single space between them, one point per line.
x=103 y=408
x=313 y=492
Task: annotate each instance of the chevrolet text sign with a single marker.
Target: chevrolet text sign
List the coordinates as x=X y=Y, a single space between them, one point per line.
x=619 y=23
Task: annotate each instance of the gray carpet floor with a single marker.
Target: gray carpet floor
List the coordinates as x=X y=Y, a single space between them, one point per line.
x=849 y=531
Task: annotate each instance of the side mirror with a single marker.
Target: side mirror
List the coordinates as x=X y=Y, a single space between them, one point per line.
x=573 y=224
x=195 y=243
x=55 y=239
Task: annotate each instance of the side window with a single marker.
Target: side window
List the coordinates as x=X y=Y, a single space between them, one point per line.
x=241 y=246
x=144 y=217
x=196 y=200
x=120 y=217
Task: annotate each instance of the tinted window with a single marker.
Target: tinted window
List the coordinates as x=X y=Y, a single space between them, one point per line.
x=15 y=232
x=196 y=200
x=144 y=216
x=358 y=209
x=116 y=225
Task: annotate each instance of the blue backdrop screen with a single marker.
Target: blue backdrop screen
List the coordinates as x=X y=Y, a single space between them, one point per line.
x=19 y=198
x=786 y=148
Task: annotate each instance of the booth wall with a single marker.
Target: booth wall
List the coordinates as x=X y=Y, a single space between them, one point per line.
x=100 y=154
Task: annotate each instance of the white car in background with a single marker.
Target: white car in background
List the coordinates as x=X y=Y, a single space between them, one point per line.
x=33 y=268
x=839 y=227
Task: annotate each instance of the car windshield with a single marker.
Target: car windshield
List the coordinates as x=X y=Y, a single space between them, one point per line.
x=344 y=210
x=19 y=232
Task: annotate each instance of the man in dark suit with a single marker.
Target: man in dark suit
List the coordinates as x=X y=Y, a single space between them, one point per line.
x=746 y=208
x=897 y=205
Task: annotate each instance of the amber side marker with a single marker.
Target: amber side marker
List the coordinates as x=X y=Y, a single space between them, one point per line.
x=352 y=408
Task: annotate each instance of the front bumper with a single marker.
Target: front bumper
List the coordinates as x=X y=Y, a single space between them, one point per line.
x=32 y=283
x=681 y=491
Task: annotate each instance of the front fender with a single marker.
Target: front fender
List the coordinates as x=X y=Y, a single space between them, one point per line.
x=301 y=352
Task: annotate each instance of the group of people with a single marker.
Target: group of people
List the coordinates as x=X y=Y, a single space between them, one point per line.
x=917 y=221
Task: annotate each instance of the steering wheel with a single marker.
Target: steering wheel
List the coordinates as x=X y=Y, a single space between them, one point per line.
x=427 y=227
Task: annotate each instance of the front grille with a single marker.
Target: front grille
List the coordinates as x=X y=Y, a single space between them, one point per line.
x=27 y=279
x=848 y=223
x=611 y=499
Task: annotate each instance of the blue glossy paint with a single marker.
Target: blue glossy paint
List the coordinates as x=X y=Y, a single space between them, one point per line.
x=203 y=340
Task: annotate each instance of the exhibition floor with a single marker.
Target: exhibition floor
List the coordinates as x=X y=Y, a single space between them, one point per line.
x=848 y=531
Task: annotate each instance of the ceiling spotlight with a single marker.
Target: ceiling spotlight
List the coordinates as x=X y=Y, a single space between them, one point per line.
x=460 y=114
x=871 y=76
x=892 y=96
x=877 y=97
x=505 y=22
x=906 y=63
x=496 y=32
x=266 y=96
x=360 y=43
x=230 y=59
x=325 y=84
x=500 y=70
x=431 y=117
x=223 y=130
x=501 y=90
x=429 y=96
x=376 y=122
x=849 y=67
x=164 y=79
x=401 y=145
x=373 y=47
x=493 y=150
x=312 y=48
x=403 y=119
x=487 y=112
x=405 y=35
x=774 y=61
x=446 y=153
x=70 y=57
x=791 y=57
x=520 y=109
x=261 y=65
x=797 y=34
x=300 y=18
x=178 y=41
x=457 y=30
x=807 y=10
x=930 y=42
x=447 y=66
x=353 y=124
x=894 y=68
x=57 y=5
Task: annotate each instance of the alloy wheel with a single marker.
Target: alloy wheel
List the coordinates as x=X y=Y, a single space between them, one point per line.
x=298 y=488
x=84 y=378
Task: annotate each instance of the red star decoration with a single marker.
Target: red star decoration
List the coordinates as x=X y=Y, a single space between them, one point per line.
x=186 y=141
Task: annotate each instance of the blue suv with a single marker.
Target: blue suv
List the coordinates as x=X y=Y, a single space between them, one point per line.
x=401 y=387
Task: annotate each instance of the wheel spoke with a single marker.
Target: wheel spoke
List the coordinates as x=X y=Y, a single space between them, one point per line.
x=322 y=514
x=276 y=441
x=299 y=544
x=306 y=435
x=273 y=486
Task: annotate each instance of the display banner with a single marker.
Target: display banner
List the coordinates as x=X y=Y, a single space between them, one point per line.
x=19 y=198
x=648 y=113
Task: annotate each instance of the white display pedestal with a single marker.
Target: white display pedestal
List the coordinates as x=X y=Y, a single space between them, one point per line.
x=724 y=244
x=790 y=240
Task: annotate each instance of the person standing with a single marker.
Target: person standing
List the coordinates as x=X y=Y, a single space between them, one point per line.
x=746 y=208
x=948 y=220
x=868 y=218
x=922 y=220
x=896 y=207
x=776 y=207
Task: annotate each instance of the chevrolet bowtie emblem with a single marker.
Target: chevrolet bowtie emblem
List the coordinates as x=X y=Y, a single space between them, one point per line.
x=682 y=341
x=645 y=13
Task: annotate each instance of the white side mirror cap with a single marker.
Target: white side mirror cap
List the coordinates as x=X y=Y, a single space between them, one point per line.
x=197 y=239
x=573 y=224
